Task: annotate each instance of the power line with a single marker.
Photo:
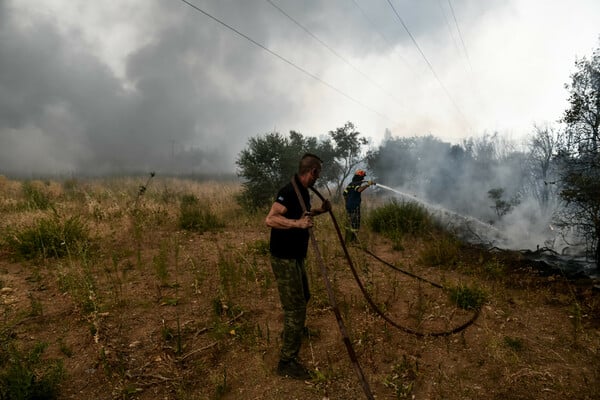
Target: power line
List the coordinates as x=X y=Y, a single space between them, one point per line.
x=427 y=61
x=304 y=71
x=335 y=53
x=458 y=50
x=460 y=35
x=376 y=29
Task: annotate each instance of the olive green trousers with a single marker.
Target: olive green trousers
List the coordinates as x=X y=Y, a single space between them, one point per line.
x=294 y=294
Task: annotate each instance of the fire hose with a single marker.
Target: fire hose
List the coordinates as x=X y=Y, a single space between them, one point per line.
x=370 y=301
x=332 y=301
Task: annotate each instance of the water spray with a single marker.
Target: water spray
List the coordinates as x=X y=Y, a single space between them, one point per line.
x=471 y=228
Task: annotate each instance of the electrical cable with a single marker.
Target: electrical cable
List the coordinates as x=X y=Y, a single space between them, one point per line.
x=299 y=68
x=460 y=36
x=335 y=53
x=427 y=62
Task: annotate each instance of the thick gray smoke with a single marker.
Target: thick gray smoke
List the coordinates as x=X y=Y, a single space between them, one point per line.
x=455 y=182
x=138 y=85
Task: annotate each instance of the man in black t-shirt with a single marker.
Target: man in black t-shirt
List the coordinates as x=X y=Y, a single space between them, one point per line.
x=289 y=224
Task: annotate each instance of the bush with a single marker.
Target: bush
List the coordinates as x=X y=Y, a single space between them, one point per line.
x=442 y=249
x=49 y=238
x=26 y=376
x=468 y=298
x=396 y=219
x=195 y=216
x=35 y=198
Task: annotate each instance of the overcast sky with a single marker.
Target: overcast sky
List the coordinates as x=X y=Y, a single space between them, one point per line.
x=116 y=85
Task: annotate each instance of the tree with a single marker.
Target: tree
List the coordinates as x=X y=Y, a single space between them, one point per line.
x=348 y=153
x=580 y=157
x=270 y=160
x=543 y=147
x=501 y=206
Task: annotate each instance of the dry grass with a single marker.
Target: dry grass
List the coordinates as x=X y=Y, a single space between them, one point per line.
x=150 y=311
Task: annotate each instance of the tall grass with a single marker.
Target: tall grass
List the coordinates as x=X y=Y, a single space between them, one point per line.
x=25 y=375
x=35 y=197
x=396 y=219
x=48 y=237
x=195 y=215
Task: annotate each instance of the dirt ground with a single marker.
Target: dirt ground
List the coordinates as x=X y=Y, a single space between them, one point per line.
x=152 y=311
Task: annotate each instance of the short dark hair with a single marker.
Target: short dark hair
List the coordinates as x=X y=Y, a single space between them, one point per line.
x=308 y=162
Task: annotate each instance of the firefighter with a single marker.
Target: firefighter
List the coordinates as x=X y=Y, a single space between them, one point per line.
x=352 y=197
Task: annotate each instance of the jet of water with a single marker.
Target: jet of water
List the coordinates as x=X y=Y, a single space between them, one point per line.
x=467 y=227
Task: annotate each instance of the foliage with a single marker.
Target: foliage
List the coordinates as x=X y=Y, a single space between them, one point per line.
x=49 y=237
x=542 y=166
x=467 y=298
x=348 y=154
x=456 y=176
x=501 y=206
x=270 y=161
x=402 y=378
x=580 y=157
x=441 y=250
x=195 y=216
x=396 y=219
x=35 y=197
x=26 y=376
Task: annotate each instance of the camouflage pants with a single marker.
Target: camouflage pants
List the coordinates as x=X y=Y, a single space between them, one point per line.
x=294 y=294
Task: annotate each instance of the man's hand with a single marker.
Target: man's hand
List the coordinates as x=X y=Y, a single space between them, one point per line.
x=305 y=222
x=371 y=183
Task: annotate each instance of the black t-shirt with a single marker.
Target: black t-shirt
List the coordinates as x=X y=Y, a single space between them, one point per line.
x=290 y=243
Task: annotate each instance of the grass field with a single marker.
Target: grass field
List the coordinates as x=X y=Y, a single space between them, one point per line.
x=161 y=288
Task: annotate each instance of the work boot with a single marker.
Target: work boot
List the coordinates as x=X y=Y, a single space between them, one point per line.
x=293 y=369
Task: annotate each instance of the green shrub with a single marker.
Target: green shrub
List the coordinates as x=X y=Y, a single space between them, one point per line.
x=515 y=344
x=195 y=216
x=49 y=238
x=396 y=219
x=442 y=249
x=25 y=376
x=35 y=198
x=468 y=298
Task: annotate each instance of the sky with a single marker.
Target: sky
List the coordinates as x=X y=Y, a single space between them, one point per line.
x=113 y=86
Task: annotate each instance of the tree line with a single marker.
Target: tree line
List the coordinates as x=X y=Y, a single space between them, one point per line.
x=557 y=169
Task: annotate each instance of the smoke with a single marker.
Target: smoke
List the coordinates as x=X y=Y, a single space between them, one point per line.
x=104 y=87
x=485 y=188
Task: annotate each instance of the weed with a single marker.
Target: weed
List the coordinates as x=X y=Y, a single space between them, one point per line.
x=49 y=238
x=194 y=216
x=402 y=378
x=64 y=348
x=36 y=306
x=259 y=247
x=161 y=265
x=35 y=197
x=396 y=219
x=494 y=268
x=515 y=344
x=441 y=250
x=576 y=317
x=24 y=375
x=222 y=388
x=468 y=298
x=229 y=274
